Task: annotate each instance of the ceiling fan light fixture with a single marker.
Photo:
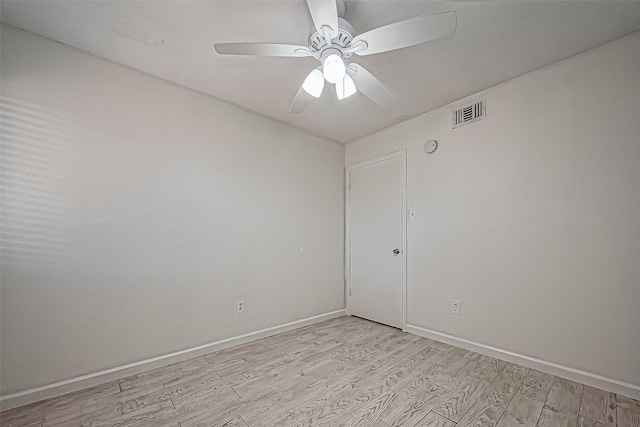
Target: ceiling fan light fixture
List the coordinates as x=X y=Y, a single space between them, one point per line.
x=314 y=83
x=345 y=88
x=333 y=68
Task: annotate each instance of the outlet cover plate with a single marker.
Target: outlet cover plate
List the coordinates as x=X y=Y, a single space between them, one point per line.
x=456 y=307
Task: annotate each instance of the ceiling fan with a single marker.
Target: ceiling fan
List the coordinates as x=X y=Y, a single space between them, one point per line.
x=333 y=42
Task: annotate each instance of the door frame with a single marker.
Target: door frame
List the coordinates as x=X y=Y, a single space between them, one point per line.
x=402 y=154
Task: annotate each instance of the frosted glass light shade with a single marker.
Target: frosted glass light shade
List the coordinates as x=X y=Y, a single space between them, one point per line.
x=333 y=68
x=314 y=83
x=346 y=87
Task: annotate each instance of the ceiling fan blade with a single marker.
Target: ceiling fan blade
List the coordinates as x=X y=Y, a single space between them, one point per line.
x=324 y=13
x=407 y=33
x=301 y=101
x=262 y=49
x=370 y=86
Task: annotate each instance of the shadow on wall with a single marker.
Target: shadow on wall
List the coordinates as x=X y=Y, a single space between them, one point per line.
x=35 y=185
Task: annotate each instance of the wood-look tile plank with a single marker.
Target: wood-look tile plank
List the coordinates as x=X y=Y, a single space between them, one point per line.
x=488 y=368
x=401 y=369
x=96 y=403
x=203 y=385
x=299 y=350
x=361 y=357
x=338 y=412
x=370 y=337
x=537 y=385
x=376 y=411
x=134 y=393
x=419 y=377
x=22 y=417
x=212 y=419
x=252 y=362
x=217 y=363
x=322 y=372
x=568 y=385
x=522 y=411
x=441 y=346
x=586 y=422
x=549 y=418
x=448 y=356
x=318 y=400
x=328 y=354
x=291 y=417
x=627 y=403
x=108 y=390
x=257 y=410
x=598 y=405
x=382 y=364
x=516 y=369
x=493 y=401
x=281 y=407
x=207 y=375
x=27 y=421
x=564 y=398
x=182 y=368
x=268 y=374
x=204 y=397
x=455 y=373
x=307 y=394
x=416 y=359
x=136 y=382
x=143 y=415
x=218 y=410
x=434 y=420
x=394 y=342
x=458 y=401
x=628 y=418
x=526 y=406
x=416 y=407
x=76 y=416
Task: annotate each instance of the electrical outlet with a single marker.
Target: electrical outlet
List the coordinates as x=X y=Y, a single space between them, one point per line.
x=456 y=307
x=240 y=305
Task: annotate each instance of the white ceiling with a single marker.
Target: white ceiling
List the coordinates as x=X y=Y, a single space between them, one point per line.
x=495 y=41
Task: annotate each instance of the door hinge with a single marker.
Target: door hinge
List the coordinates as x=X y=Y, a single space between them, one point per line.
x=349 y=291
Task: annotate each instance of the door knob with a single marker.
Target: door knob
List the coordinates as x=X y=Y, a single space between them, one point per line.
x=396 y=251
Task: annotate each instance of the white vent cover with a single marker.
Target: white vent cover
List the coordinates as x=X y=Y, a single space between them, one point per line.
x=469 y=114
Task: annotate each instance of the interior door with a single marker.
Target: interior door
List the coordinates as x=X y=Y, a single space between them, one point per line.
x=376 y=240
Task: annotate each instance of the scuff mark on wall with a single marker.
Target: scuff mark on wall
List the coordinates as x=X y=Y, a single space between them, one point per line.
x=135 y=34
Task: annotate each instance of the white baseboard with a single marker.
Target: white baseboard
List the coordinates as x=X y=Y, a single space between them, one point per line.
x=594 y=380
x=56 y=389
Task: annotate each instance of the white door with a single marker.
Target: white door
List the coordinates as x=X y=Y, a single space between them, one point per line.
x=376 y=240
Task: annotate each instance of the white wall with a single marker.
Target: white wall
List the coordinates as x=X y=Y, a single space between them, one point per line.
x=531 y=217
x=136 y=213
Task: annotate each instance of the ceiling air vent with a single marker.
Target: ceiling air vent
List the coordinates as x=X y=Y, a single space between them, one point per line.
x=469 y=114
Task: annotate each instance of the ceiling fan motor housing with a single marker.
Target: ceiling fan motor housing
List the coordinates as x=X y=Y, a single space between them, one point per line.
x=317 y=42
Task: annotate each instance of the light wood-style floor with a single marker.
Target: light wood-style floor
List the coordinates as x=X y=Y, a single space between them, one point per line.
x=342 y=372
